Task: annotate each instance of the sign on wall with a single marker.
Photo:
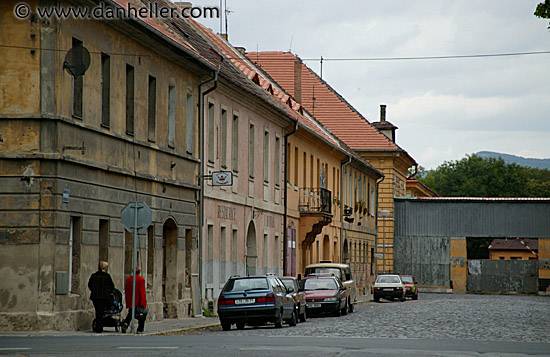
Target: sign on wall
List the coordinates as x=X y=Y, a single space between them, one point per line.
x=222 y=178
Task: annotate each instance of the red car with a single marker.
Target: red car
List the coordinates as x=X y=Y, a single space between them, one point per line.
x=411 y=290
x=324 y=294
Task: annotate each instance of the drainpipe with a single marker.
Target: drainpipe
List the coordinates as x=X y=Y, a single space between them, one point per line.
x=342 y=165
x=201 y=156
x=376 y=221
x=285 y=237
x=414 y=173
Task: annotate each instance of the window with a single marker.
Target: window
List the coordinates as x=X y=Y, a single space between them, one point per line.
x=372 y=200
x=190 y=125
x=277 y=161
x=150 y=256
x=105 y=90
x=104 y=240
x=277 y=254
x=234 y=251
x=152 y=108
x=129 y=99
x=223 y=250
x=311 y=172
x=75 y=239
x=266 y=252
x=78 y=83
x=251 y=150
x=210 y=254
x=171 y=116
x=296 y=158
x=223 y=139
x=304 y=171
x=266 y=156
x=210 y=143
x=235 y=144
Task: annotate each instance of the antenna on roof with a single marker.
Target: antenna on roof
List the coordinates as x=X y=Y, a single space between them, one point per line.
x=321 y=67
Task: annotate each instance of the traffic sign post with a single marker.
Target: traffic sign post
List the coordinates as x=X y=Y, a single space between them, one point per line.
x=135 y=217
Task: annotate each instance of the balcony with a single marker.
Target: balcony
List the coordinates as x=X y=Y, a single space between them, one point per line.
x=315 y=208
x=315 y=200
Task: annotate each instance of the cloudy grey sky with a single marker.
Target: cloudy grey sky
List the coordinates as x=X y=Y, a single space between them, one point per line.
x=444 y=108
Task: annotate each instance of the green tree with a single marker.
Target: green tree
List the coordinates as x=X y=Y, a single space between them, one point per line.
x=474 y=176
x=543 y=10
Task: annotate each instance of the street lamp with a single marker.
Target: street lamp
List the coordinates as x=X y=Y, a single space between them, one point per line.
x=383 y=213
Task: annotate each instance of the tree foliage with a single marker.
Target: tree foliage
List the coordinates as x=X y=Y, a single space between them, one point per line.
x=543 y=10
x=474 y=176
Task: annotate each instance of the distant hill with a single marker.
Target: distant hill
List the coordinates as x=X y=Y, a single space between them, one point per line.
x=518 y=160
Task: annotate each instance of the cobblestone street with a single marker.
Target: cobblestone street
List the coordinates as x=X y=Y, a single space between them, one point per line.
x=433 y=316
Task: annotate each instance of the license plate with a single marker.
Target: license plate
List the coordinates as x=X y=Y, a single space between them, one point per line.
x=313 y=305
x=244 y=301
x=388 y=289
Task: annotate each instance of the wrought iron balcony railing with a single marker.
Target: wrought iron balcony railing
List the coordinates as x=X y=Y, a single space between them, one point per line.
x=315 y=200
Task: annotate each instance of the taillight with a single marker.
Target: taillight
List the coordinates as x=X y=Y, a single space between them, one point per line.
x=399 y=289
x=376 y=289
x=268 y=298
x=223 y=301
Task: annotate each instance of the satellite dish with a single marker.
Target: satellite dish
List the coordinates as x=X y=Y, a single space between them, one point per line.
x=77 y=61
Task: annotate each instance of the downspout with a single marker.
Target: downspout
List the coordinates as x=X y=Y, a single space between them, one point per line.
x=201 y=172
x=376 y=221
x=414 y=173
x=342 y=165
x=285 y=237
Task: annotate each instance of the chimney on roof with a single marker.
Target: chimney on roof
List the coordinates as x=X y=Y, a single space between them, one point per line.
x=241 y=50
x=384 y=126
x=183 y=4
x=298 y=80
x=382 y=113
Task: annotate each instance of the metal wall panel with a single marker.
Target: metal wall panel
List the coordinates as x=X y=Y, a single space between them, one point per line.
x=453 y=218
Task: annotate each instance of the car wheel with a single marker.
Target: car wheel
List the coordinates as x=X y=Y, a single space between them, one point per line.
x=226 y=326
x=303 y=316
x=279 y=320
x=293 y=320
x=403 y=298
x=344 y=311
x=350 y=307
x=337 y=312
x=240 y=325
x=415 y=296
x=376 y=299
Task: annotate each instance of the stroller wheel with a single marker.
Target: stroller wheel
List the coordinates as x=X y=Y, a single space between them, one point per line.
x=117 y=328
x=94 y=325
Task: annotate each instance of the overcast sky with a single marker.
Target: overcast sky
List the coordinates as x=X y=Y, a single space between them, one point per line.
x=444 y=108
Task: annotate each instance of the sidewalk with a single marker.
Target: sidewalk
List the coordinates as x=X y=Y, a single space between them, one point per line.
x=167 y=326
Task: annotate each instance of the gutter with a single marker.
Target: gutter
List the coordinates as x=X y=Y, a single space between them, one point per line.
x=285 y=237
x=376 y=221
x=201 y=166
x=342 y=165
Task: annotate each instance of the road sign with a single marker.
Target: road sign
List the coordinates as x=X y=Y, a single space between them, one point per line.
x=144 y=216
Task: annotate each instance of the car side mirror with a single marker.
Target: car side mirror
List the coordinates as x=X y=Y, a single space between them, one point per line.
x=290 y=290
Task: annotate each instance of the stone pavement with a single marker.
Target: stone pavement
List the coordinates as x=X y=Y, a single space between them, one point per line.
x=167 y=326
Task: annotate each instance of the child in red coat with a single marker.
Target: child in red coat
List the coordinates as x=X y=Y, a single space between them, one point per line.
x=140 y=301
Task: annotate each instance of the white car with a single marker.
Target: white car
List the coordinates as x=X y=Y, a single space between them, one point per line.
x=389 y=286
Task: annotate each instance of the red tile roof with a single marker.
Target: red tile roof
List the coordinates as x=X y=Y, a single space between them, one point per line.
x=320 y=99
x=273 y=89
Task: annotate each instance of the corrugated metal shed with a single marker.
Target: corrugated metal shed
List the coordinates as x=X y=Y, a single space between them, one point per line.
x=472 y=217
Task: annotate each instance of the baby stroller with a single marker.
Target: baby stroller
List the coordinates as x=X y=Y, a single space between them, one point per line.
x=111 y=315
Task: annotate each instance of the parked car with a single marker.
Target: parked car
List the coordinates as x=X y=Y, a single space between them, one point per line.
x=291 y=284
x=342 y=272
x=255 y=300
x=389 y=286
x=411 y=289
x=324 y=294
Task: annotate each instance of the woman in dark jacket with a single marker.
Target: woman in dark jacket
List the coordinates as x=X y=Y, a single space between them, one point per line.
x=101 y=286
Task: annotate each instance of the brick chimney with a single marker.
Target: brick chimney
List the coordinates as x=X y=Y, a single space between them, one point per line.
x=384 y=126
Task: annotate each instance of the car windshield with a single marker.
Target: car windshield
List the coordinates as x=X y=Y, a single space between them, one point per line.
x=320 y=284
x=407 y=279
x=327 y=271
x=388 y=279
x=246 y=284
